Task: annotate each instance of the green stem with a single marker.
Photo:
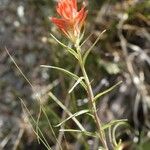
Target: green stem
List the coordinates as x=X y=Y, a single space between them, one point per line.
x=91 y=99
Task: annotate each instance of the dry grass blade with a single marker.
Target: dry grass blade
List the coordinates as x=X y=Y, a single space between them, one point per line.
x=41 y=109
x=4 y=141
x=21 y=131
x=44 y=141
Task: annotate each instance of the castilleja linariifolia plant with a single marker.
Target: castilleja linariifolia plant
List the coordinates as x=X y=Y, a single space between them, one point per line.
x=71 y=22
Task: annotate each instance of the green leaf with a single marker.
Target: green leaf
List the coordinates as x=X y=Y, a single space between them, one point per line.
x=79 y=131
x=76 y=83
x=106 y=91
x=117 y=145
x=74 y=76
x=70 y=50
x=89 y=50
x=108 y=125
x=54 y=98
x=73 y=115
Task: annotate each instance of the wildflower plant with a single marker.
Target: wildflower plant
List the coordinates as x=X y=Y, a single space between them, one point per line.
x=71 y=23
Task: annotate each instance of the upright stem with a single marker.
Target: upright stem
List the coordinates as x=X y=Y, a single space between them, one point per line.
x=91 y=99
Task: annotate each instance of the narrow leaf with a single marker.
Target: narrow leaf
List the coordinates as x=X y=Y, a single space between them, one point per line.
x=73 y=115
x=112 y=123
x=106 y=91
x=70 y=50
x=123 y=123
x=76 y=83
x=89 y=50
x=54 y=98
x=74 y=76
x=78 y=131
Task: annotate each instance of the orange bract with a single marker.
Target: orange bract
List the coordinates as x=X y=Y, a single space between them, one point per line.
x=71 y=20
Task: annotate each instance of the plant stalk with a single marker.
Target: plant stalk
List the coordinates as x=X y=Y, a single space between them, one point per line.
x=91 y=99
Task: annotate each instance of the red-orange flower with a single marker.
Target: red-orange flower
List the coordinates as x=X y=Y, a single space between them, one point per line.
x=71 y=20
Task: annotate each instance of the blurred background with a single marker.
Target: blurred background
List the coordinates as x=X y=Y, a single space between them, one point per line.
x=123 y=53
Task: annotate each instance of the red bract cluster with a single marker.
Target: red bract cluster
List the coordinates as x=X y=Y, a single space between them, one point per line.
x=71 y=20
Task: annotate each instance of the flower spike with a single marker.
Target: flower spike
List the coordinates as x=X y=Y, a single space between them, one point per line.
x=72 y=20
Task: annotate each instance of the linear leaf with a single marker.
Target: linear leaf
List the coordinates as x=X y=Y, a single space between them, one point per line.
x=108 y=125
x=74 y=76
x=70 y=50
x=78 y=131
x=124 y=123
x=73 y=115
x=76 y=83
x=89 y=50
x=54 y=98
x=106 y=91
